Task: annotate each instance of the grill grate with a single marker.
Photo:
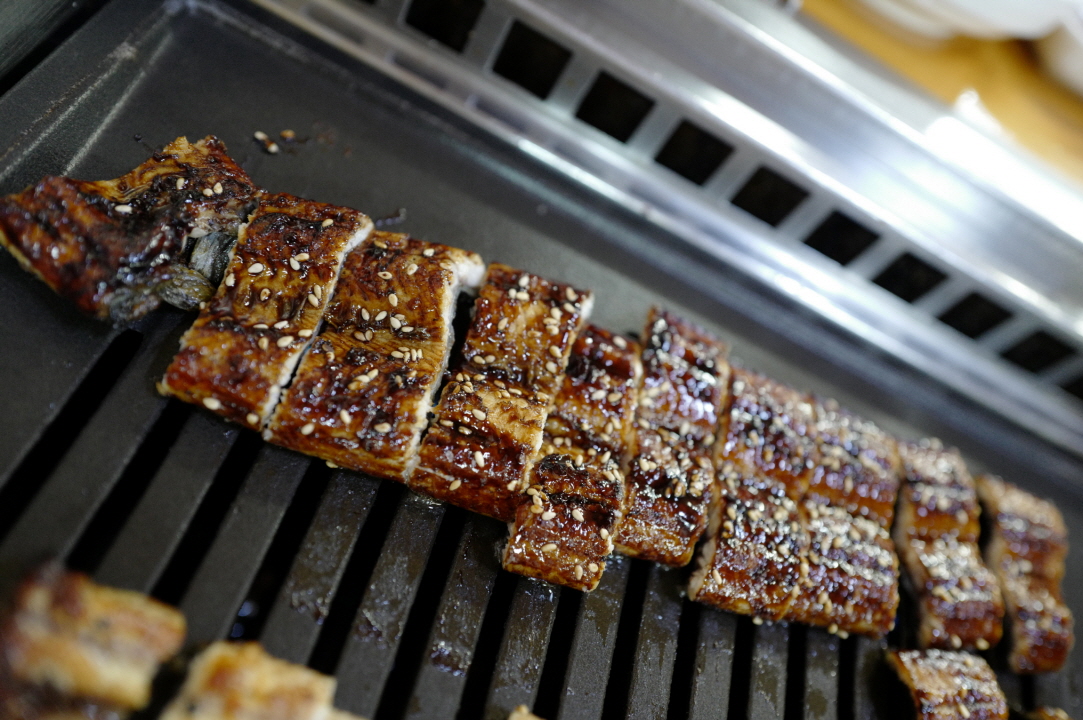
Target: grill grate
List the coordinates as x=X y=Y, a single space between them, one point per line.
x=401 y=598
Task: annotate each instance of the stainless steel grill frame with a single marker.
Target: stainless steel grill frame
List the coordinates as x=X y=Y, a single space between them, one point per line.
x=401 y=598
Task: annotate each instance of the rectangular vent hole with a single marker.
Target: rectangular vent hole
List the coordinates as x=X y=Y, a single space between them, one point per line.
x=613 y=107
x=769 y=196
x=909 y=277
x=1038 y=351
x=449 y=22
x=693 y=153
x=841 y=238
x=974 y=315
x=531 y=60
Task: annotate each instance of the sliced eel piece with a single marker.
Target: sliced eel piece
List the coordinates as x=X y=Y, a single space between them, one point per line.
x=564 y=533
x=669 y=474
x=1026 y=551
x=959 y=602
x=936 y=530
x=753 y=561
x=1048 y=713
x=361 y=395
x=769 y=427
x=859 y=467
x=70 y=645
x=488 y=427
x=579 y=475
x=116 y=247
x=240 y=681
x=852 y=582
x=247 y=340
x=947 y=685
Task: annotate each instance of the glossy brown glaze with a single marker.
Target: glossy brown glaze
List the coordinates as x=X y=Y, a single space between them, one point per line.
x=1026 y=550
x=936 y=532
x=563 y=532
x=109 y=245
x=859 y=467
x=670 y=474
x=950 y=685
x=769 y=426
x=66 y=642
x=753 y=562
x=242 y=349
x=488 y=427
x=362 y=393
x=523 y=329
x=1048 y=713
x=852 y=582
x=240 y=680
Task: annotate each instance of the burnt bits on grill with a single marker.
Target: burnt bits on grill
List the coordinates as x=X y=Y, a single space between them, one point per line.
x=240 y=680
x=564 y=525
x=488 y=425
x=936 y=532
x=361 y=395
x=669 y=474
x=116 y=248
x=247 y=340
x=1026 y=550
x=72 y=648
x=946 y=684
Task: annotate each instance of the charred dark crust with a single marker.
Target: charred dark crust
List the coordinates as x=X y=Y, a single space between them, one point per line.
x=949 y=684
x=108 y=245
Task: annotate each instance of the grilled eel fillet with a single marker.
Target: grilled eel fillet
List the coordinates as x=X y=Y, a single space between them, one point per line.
x=669 y=474
x=1026 y=552
x=947 y=685
x=69 y=646
x=755 y=560
x=240 y=681
x=1048 y=713
x=116 y=247
x=563 y=528
x=487 y=432
x=362 y=393
x=245 y=344
x=936 y=532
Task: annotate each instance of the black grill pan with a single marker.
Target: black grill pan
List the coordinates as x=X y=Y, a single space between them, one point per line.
x=401 y=598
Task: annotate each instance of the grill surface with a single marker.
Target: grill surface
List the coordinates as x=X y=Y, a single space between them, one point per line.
x=401 y=598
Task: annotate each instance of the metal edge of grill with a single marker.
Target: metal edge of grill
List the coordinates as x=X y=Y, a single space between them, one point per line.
x=401 y=598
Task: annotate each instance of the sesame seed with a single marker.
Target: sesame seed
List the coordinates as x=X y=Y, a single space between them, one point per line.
x=465 y=430
x=620 y=342
x=716 y=576
x=384 y=275
x=284 y=341
x=489 y=359
x=252 y=418
x=181 y=182
x=577 y=514
x=212 y=403
x=327 y=223
x=478 y=360
x=757 y=620
x=273 y=148
x=301 y=257
x=455 y=485
x=429 y=252
x=308 y=428
x=571 y=294
x=368 y=334
x=123 y=209
x=502 y=324
x=549 y=547
x=554 y=351
x=548 y=515
x=397 y=354
x=381 y=315
x=264 y=294
x=569 y=308
x=964 y=710
x=614 y=397
x=255 y=268
x=479 y=459
x=380 y=244
x=552 y=367
x=263 y=343
x=393 y=299
x=345 y=416
x=282 y=324
x=524 y=280
x=294 y=264
x=313 y=300
x=479 y=414
x=382 y=427
x=260 y=135
x=604 y=533
x=981 y=644
x=395 y=323
x=259 y=326
x=218 y=188
x=578 y=572
x=208 y=192
x=833 y=628
x=536 y=509
x=305 y=333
